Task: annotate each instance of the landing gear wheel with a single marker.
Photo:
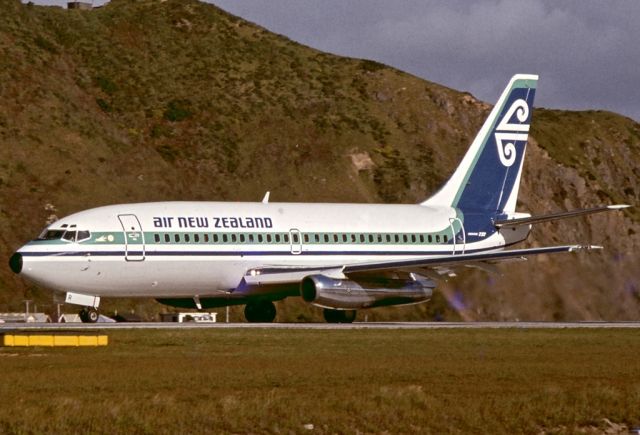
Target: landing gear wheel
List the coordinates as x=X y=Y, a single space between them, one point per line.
x=89 y=315
x=260 y=312
x=339 y=316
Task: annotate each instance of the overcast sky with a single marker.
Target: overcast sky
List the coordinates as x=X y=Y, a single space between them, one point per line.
x=587 y=52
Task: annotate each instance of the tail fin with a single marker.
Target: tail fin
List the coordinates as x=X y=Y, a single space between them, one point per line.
x=488 y=177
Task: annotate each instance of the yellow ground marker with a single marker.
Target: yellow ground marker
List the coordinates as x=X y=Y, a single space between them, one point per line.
x=51 y=340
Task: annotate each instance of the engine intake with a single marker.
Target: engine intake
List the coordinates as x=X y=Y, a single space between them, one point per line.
x=327 y=292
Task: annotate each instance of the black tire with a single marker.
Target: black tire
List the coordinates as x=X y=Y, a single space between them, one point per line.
x=339 y=316
x=348 y=316
x=92 y=315
x=260 y=312
x=89 y=315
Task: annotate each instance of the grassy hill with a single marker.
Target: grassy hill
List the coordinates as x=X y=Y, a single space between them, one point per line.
x=165 y=100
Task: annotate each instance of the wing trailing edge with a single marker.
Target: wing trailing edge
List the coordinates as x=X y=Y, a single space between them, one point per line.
x=462 y=259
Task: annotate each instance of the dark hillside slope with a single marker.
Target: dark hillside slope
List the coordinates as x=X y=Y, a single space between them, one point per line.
x=151 y=100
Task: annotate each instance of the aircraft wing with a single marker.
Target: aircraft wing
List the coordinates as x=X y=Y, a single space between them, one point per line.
x=288 y=274
x=508 y=223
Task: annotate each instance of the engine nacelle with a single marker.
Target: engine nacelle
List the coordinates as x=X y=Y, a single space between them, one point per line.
x=327 y=292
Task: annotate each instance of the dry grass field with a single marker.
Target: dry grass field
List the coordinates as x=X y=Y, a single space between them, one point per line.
x=311 y=381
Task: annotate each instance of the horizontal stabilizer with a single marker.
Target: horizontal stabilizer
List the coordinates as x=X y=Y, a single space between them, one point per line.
x=507 y=223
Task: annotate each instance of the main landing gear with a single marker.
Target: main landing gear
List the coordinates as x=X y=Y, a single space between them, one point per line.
x=339 y=316
x=89 y=315
x=260 y=312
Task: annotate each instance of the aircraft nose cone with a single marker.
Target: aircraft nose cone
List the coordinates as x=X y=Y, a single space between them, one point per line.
x=15 y=263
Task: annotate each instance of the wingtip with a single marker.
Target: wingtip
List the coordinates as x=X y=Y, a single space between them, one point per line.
x=618 y=206
x=578 y=248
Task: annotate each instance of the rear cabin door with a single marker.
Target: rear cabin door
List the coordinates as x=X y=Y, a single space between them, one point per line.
x=459 y=239
x=296 y=241
x=133 y=237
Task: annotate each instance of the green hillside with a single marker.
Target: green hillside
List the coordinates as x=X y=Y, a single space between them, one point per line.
x=166 y=100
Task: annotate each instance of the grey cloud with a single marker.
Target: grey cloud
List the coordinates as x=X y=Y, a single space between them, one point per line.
x=586 y=52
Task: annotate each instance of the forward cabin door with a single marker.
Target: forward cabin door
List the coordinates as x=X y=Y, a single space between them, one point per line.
x=133 y=237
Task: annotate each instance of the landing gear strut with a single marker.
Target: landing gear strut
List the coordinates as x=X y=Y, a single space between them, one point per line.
x=339 y=316
x=260 y=311
x=89 y=315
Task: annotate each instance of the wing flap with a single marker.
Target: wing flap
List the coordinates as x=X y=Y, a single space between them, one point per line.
x=462 y=259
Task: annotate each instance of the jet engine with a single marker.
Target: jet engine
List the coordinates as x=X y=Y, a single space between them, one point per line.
x=327 y=292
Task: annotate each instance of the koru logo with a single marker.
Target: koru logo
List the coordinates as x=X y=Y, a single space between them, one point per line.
x=507 y=133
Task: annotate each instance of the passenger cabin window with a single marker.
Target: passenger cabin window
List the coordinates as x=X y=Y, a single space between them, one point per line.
x=317 y=238
x=437 y=238
x=196 y=238
x=225 y=239
x=268 y=238
x=421 y=238
x=156 y=237
x=206 y=238
x=167 y=238
x=187 y=238
x=306 y=238
x=241 y=238
x=295 y=238
x=277 y=237
x=430 y=238
x=353 y=238
x=370 y=238
x=388 y=238
x=326 y=238
x=215 y=238
x=361 y=238
x=286 y=238
x=335 y=238
x=445 y=238
x=176 y=237
x=413 y=238
x=233 y=238
x=344 y=238
x=250 y=238
x=260 y=238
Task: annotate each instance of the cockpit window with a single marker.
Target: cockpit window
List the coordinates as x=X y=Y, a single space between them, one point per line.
x=51 y=235
x=70 y=234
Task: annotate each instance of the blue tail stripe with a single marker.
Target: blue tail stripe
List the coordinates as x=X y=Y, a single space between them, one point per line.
x=495 y=172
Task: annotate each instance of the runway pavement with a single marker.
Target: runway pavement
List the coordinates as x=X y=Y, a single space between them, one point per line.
x=356 y=325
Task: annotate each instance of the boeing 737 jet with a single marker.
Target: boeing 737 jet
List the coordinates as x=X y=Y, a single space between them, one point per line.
x=340 y=257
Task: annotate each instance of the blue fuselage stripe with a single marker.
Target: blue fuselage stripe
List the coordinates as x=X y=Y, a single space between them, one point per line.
x=239 y=253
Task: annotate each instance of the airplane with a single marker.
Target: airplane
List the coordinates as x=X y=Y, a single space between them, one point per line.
x=339 y=257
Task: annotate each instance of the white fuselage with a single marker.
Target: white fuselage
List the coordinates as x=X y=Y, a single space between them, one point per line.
x=182 y=249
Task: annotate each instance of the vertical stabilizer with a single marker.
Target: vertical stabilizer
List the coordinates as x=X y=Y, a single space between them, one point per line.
x=488 y=178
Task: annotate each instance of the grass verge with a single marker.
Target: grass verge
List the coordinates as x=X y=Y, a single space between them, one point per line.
x=272 y=381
